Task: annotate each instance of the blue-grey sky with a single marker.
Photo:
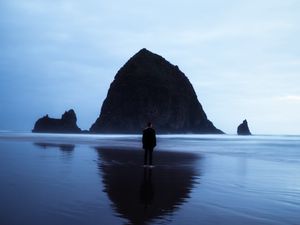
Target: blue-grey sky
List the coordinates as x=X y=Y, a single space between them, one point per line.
x=242 y=57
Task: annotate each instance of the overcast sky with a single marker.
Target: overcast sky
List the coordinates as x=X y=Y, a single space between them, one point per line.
x=242 y=57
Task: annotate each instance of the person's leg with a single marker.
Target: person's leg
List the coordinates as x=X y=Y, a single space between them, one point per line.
x=145 y=156
x=150 y=156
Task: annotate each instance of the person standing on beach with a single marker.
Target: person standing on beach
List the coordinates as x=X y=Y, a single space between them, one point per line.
x=149 y=142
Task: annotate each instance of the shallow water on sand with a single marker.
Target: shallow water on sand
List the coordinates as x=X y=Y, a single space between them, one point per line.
x=197 y=179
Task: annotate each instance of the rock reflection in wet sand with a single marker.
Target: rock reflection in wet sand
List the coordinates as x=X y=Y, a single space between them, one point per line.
x=66 y=149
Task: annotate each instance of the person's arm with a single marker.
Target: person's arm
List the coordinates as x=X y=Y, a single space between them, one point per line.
x=143 y=139
x=154 y=138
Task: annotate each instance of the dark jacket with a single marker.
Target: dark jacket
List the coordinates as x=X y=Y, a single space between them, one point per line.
x=149 y=138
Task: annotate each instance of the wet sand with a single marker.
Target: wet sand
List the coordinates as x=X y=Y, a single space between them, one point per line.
x=53 y=180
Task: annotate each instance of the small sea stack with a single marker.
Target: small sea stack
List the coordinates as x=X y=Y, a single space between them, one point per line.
x=67 y=124
x=243 y=128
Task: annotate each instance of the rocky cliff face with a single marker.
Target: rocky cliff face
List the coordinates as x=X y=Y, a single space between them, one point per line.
x=67 y=124
x=243 y=129
x=149 y=88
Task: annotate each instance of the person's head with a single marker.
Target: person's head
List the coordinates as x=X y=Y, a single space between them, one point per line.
x=149 y=124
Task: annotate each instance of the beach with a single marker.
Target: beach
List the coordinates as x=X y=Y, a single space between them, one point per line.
x=196 y=179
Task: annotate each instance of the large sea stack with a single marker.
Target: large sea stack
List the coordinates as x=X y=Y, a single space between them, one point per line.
x=149 y=88
x=67 y=124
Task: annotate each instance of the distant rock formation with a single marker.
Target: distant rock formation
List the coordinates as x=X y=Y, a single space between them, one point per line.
x=149 y=88
x=243 y=129
x=67 y=124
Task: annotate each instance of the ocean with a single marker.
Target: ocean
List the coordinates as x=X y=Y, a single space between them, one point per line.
x=197 y=179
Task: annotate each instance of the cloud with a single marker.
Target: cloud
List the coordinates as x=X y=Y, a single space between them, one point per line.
x=290 y=98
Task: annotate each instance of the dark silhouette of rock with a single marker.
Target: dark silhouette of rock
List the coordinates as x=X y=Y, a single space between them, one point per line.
x=149 y=88
x=67 y=124
x=243 y=129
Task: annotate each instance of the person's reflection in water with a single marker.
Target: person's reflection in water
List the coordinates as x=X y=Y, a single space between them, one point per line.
x=147 y=189
x=144 y=195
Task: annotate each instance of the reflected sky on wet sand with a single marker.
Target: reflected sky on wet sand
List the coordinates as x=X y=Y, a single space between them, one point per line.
x=210 y=181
